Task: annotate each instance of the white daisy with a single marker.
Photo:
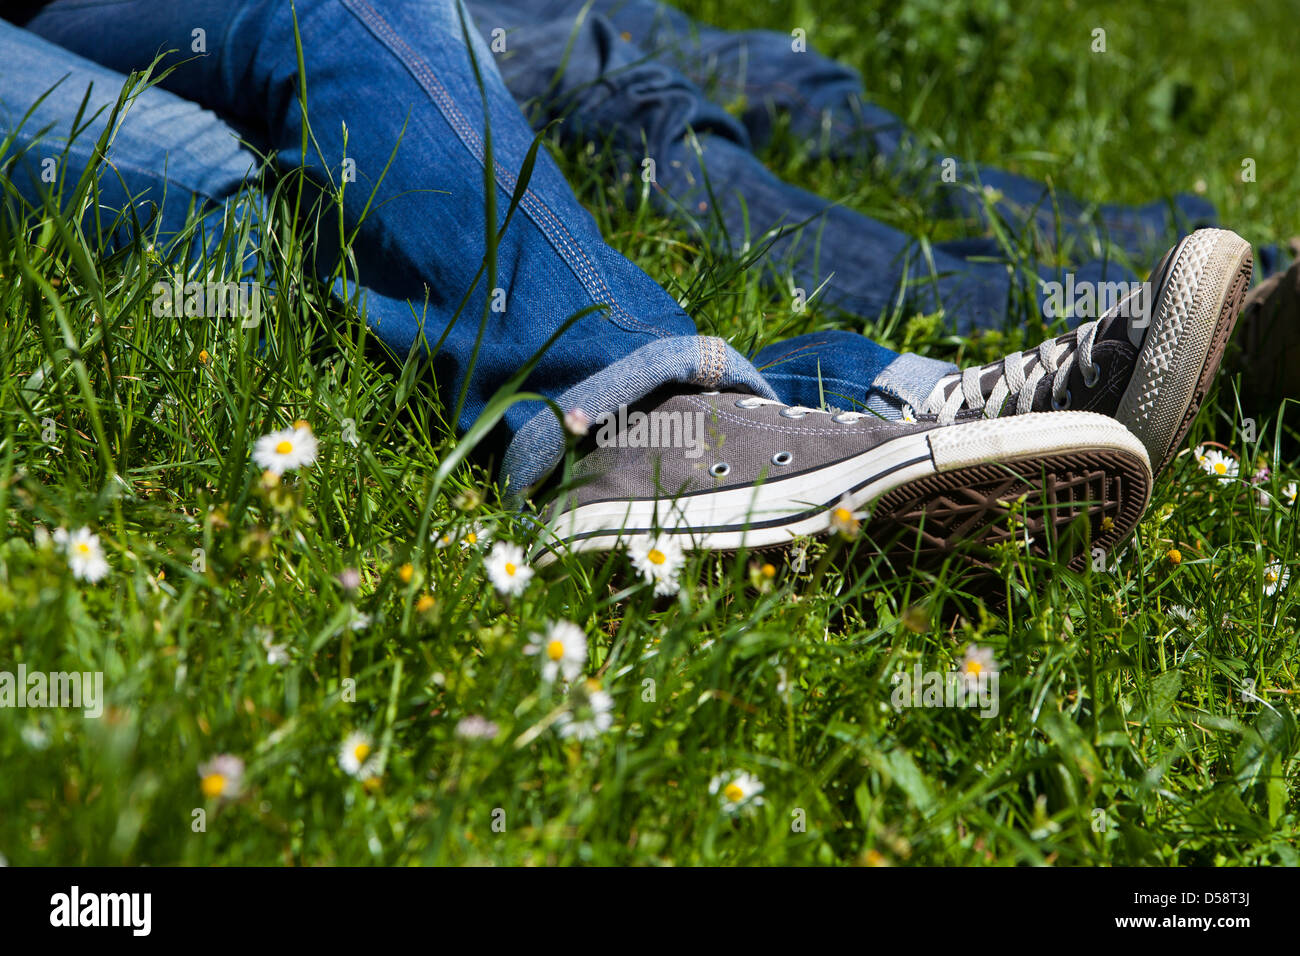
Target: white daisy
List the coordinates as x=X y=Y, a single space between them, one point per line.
x=507 y=569
x=350 y=580
x=1218 y=464
x=222 y=776
x=577 y=422
x=1199 y=455
x=355 y=755
x=845 y=521
x=659 y=559
x=1276 y=577
x=976 y=665
x=563 y=651
x=1181 y=614
x=276 y=654
x=590 y=713
x=739 y=790
x=475 y=727
x=85 y=556
x=475 y=536
x=286 y=449
x=1289 y=494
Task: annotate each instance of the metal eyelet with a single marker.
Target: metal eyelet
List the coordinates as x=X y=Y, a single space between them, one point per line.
x=846 y=418
x=747 y=402
x=1062 y=406
x=712 y=392
x=782 y=458
x=720 y=470
x=1096 y=376
x=793 y=412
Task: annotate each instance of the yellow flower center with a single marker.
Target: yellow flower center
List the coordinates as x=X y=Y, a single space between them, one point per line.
x=511 y=569
x=83 y=548
x=1220 y=468
x=974 y=668
x=425 y=604
x=1270 y=576
x=555 y=650
x=361 y=752
x=284 y=447
x=734 y=792
x=472 y=538
x=843 y=515
x=655 y=556
x=213 y=785
x=1175 y=556
x=769 y=571
x=301 y=423
x=405 y=572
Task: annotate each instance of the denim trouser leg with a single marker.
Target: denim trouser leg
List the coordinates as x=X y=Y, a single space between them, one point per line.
x=849 y=371
x=394 y=81
x=822 y=100
x=769 y=72
x=827 y=107
x=705 y=170
x=165 y=154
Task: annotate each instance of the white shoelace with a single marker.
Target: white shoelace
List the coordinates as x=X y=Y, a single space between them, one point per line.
x=1054 y=358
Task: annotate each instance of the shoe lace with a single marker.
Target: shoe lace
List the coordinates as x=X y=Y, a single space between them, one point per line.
x=1056 y=357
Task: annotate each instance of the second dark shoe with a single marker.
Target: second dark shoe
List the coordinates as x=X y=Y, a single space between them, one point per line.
x=1149 y=366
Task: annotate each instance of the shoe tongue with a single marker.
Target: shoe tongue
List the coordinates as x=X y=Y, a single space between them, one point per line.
x=1127 y=321
x=1137 y=311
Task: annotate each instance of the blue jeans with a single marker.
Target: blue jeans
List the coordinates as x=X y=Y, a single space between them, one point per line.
x=393 y=80
x=646 y=78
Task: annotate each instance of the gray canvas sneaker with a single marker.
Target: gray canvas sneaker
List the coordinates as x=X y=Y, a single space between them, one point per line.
x=1148 y=366
x=727 y=471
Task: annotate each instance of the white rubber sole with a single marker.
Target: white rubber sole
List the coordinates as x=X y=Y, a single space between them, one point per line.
x=1190 y=324
x=773 y=513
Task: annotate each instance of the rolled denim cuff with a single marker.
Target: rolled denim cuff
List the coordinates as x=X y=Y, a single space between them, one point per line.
x=907 y=380
x=703 y=361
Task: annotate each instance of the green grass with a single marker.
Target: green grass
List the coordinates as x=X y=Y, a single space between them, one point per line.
x=1124 y=735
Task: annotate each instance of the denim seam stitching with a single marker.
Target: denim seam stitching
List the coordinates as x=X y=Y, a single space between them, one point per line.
x=540 y=213
x=712 y=361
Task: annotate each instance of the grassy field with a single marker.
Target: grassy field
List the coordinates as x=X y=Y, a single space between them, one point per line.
x=1145 y=713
